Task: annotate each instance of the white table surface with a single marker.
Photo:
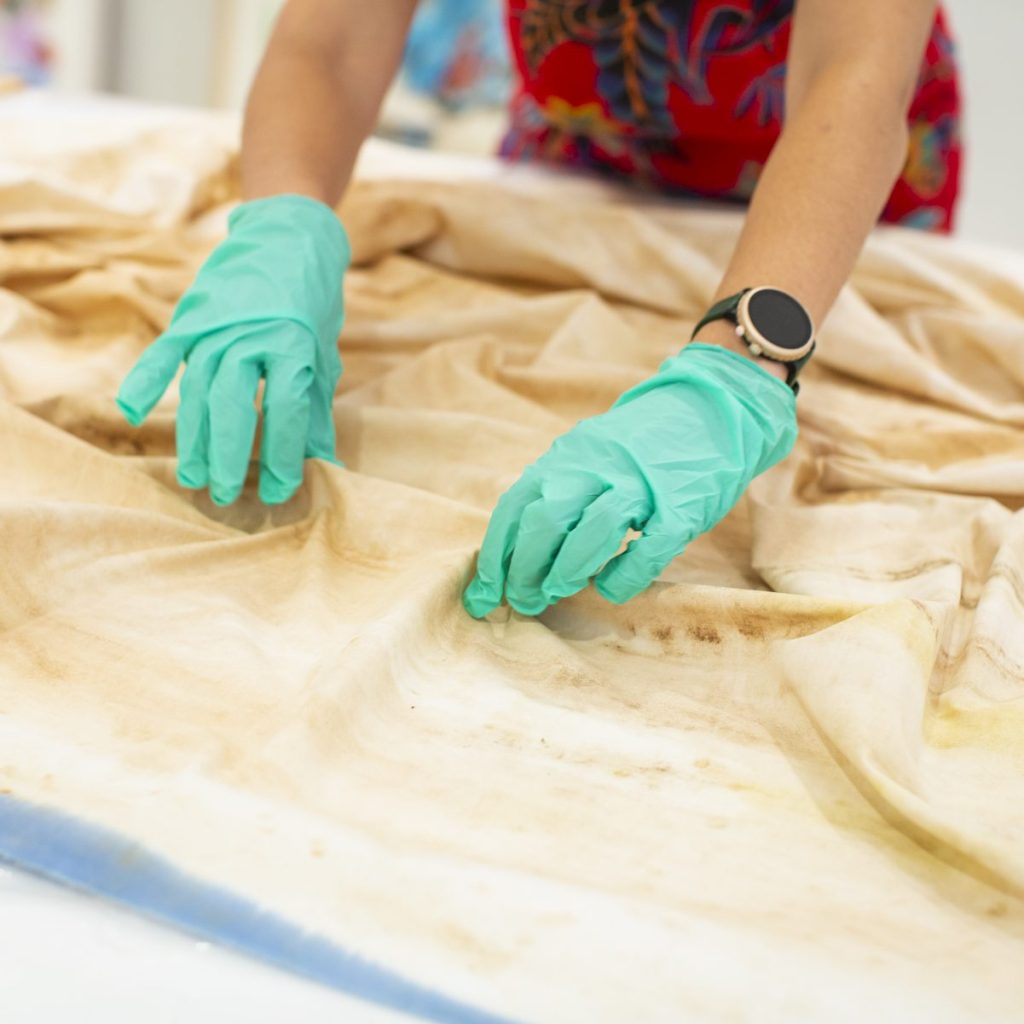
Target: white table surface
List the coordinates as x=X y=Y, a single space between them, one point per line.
x=68 y=956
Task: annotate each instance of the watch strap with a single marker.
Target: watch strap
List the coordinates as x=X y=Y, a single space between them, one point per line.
x=723 y=308
x=793 y=368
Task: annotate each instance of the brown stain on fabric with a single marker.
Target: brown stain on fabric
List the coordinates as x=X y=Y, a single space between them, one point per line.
x=938 y=448
x=118 y=438
x=705 y=634
x=751 y=627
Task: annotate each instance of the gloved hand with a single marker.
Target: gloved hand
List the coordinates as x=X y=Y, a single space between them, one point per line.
x=670 y=458
x=267 y=303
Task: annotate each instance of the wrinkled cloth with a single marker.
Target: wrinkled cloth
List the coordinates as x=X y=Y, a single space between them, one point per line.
x=785 y=782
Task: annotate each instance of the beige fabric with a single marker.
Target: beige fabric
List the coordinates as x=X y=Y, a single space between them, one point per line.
x=786 y=783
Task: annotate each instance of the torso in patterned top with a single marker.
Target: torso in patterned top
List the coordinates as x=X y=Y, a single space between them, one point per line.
x=687 y=96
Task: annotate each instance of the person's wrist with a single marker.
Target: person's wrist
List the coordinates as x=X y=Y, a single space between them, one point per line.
x=723 y=334
x=300 y=210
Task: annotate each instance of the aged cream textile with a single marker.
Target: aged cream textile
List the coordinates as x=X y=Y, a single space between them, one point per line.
x=787 y=782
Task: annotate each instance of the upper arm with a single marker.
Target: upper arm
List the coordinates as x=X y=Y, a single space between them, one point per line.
x=880 y=41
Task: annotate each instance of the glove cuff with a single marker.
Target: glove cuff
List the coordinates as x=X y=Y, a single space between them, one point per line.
x=736 y=382
x=291 y=211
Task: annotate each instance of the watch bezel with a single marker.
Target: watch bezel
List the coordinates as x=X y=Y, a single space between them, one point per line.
x=756 y=341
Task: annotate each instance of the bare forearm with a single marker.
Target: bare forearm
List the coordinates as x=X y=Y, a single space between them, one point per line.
x=850 y=76
x=300 y=134
x=819 y=196
x=317 y=93
x=821 y=192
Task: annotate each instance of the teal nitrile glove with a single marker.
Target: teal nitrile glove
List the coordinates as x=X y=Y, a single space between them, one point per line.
x=267 y=303
x=670 y=459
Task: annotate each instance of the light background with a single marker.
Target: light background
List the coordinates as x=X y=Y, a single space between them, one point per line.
x=204 y=52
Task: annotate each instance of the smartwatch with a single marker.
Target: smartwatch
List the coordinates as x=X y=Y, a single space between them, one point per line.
x=771 y=323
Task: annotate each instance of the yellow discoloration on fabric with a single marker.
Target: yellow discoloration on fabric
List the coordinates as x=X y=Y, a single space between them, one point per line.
x=792 y=770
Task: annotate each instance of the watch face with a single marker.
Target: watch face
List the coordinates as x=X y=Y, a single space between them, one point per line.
x=779 y=318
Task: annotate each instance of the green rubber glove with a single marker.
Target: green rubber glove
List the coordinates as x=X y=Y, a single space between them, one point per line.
x=669 y=459
x=266 y=304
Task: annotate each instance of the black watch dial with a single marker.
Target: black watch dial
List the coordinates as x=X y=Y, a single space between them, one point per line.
x=778 y=317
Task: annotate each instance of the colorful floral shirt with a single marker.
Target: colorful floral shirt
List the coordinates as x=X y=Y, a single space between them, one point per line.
x=687 y=96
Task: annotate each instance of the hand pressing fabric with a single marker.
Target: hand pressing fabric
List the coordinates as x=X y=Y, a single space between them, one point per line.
x=669 y=459
x=267 y=304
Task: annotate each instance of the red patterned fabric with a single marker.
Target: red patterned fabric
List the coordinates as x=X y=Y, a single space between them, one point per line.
x=687 y=96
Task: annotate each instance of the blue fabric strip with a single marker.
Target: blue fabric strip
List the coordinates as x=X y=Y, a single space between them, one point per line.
x=101 y=861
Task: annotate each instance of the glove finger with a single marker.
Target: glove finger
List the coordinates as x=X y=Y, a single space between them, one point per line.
x=232 y=417
x=150 y=377
x=543 y=528
x=321 y=443
x=594 y=540
x=193 y=423
x=643 y=561
x=485 y=591
x=286 y=413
